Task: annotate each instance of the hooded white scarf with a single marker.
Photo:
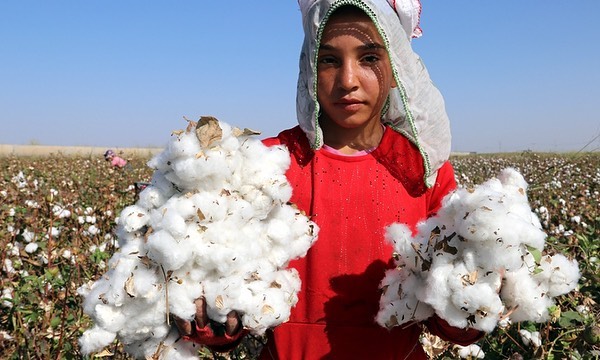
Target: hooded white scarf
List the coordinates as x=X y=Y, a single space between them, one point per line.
x=415 y=108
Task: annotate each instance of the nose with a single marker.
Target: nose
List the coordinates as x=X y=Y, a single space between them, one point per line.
x=348 y=75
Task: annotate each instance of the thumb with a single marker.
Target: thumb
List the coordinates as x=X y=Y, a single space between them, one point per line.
x=233 y=323
x=201 y=314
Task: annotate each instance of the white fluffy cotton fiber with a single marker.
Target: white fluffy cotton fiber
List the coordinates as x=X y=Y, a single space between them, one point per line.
x=473 y=264
x=215 y=222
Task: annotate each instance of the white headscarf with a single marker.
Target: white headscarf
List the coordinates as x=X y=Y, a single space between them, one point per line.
x=415 y=107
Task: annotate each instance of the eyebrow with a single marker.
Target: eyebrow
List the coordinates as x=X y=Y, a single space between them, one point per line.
x=372 y=46
x=367 y=46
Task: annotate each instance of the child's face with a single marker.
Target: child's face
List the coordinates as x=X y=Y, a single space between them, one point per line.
x=354 y=74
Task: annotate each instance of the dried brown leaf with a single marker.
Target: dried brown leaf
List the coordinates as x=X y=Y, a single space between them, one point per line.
x=219 y=302
x=129 y=286
x=470 y=278
x=268 y=309
x=103 y=353
x=246 y=132
x=208 y=131
x=392 y=322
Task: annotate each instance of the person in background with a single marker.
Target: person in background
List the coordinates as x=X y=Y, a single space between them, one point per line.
x=371 y=149
x=115 y=160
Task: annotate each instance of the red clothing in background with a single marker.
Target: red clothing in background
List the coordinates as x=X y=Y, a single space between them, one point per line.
x=353 y=199
x=118 y=161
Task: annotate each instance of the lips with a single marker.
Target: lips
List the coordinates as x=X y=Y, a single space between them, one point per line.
x=349 y=104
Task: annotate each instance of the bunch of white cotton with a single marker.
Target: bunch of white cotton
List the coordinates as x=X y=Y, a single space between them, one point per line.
x=215 y=222
x=477 y=262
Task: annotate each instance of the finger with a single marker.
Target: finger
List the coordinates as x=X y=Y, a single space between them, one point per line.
x=233 y=323
x=201 y=315
x=184 y=326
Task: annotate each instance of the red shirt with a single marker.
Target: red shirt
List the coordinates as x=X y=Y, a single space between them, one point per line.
x=353 y=199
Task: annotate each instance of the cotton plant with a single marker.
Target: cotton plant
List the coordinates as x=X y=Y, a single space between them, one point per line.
x=472 y=351
x=215 y=222
x=477 y=263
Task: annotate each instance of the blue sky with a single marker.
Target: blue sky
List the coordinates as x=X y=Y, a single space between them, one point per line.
x=516 y=74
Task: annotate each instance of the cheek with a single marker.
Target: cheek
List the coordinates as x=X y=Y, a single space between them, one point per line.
x=324 y=85
x=383 y=79
x=374 y=80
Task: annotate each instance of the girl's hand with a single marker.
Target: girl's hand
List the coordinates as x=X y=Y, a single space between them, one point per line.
x=206 y=332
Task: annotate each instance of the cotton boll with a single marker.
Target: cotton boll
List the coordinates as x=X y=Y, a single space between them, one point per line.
x=168 y=218
x=183 y=172
x=215 y=223
x=109 y=289
x=476 y=225
x=31 y=247
x=273 y=296
x=95 y=339
x=162 y=185
x=561 y=274
x=481 y=303
x=390 y=289
x=472 y=351
x=206 y=173
x=164 y=249
x=279 y=256
x=231 y=144
x=498 y=254
x=278 y=231
x=184 y=145
x=278 y=189
x=184 y=206
x=261 y=203
x=218 y=301
x=133 y=218
x=160 y=162
x=212 y=206
x=531 y=338
x=217 y=253
x=144 y=321
x=175 y=348
x=399 y=235
x=151 y=198
x=109 y=317
x=478 y=235
x=289 y=281
x=398 y=304
x=241 y=208
x=437 y=290
x=147 y=283
x=182 y=294
x=301 y=244
x=510 y=177
x=273 y=310
x=526 y=296
x=264 y=174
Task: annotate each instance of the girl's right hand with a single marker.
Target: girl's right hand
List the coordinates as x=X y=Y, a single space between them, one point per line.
x=203 y=331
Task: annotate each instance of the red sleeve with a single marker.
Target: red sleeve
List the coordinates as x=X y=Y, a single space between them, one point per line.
x=445 y=183
x=206 y=336
x=439 y=327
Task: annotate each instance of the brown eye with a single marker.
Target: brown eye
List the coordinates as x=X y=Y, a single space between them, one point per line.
x=371 y=58
x=327 y=60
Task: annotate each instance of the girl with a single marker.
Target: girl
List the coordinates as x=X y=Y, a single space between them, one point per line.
x=371 y=149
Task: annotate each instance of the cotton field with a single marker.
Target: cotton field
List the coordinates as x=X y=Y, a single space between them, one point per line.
x=58 y=231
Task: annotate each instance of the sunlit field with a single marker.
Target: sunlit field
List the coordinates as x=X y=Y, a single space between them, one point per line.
x=57 y=222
